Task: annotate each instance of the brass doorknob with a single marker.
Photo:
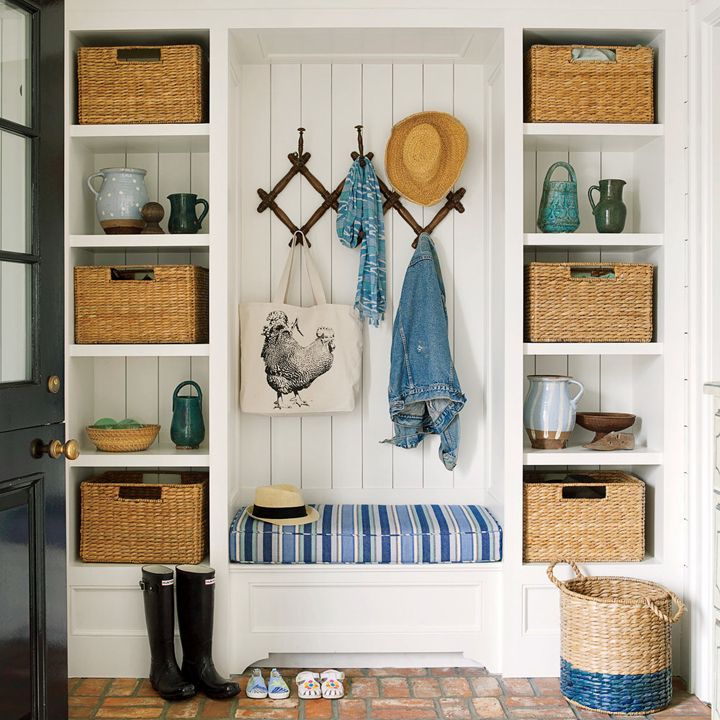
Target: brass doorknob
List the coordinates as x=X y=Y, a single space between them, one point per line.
x=55 y=448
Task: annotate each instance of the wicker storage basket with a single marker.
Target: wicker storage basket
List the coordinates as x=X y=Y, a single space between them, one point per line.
x=615 y=654
x=112 y=306
x=614 y=304
x=124 y=440
x=560 y=89
x=142 y=84
x=596 y=516
x=123 y=519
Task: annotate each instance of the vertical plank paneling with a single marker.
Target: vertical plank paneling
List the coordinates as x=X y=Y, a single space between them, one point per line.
x=254 y=238
x=377 y=465
x=587 y=170
x=346 y=112
x=438 y=94
x=345 y=451
x=142 y=390
x=316 y=116
x=407 y=99
x=469 y=264
x=110 y=398
x=200 y=373
x=285 y=111
x=200 y=184
x=529 y=187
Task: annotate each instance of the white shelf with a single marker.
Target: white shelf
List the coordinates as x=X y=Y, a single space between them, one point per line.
x=102 y=242
x=653 y=348
x=594 y=240
x=579 y=455
x=198 y=350
x=142 y=138
x=587 y=137
x=155 y=456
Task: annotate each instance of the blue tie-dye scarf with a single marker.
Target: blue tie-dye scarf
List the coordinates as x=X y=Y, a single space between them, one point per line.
x=360 y=207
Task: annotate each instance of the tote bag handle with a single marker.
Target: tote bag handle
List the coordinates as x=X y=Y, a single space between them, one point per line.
x=280 y=295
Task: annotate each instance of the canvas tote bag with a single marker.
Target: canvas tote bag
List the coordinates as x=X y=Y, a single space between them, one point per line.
x=299 y=360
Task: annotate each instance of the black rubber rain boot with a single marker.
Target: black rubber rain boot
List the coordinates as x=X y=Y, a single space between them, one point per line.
x=158 y=593
x=195 y=605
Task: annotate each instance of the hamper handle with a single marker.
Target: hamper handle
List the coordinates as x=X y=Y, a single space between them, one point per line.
x=143 y=493
x=662 y=615
x=560 y=583
x=586 y=268
x=140 y=54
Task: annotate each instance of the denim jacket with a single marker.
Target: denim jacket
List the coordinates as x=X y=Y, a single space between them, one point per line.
x=424 y=392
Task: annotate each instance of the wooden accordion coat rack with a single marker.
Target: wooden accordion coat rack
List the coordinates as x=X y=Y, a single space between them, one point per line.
x=299 y=165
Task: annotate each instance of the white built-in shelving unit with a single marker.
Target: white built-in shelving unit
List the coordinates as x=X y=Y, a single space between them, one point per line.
x=271 y=72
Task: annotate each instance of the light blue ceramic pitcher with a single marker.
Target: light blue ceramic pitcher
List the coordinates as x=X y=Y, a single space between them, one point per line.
x=120 y=199
x=549 y=411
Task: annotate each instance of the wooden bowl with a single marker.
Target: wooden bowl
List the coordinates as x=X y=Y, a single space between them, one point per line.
x=602 y=423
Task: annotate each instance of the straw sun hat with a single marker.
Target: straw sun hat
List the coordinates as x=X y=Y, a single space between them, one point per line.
x=424 y=156
x=281 y=505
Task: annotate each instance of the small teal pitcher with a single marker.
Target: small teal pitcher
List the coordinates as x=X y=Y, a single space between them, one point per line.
x=183 y=218
x=187 y=430
x=558 y=211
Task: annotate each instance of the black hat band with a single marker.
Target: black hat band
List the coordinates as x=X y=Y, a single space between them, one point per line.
x=284 y=513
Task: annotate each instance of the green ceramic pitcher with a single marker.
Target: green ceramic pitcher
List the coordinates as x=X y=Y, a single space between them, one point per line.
x=187 y=430
x=183 y=218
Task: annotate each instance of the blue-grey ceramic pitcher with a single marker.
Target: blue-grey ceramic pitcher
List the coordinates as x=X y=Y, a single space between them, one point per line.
x=549 y=411
x=558 y=211
x=187 y=430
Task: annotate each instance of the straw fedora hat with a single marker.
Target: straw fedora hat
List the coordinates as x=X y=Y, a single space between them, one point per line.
x=424 y=156
x=281 y=505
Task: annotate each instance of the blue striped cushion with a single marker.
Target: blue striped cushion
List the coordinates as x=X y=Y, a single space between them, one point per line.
x=372 y=534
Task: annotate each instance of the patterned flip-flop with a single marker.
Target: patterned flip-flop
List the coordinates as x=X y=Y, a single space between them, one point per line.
x=332 y=687
x=277 y=687
x=308 y=686
x=256 y=688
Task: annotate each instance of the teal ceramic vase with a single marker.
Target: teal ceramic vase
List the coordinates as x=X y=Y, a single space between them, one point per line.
x=558 y=211
x=183 y=218
x=187 y=430
x=610 y=211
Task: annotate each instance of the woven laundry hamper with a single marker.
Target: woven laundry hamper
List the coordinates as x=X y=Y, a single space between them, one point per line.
x=615 y=642
x=561 y=88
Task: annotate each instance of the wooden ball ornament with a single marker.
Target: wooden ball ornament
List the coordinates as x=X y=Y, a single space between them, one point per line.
x=152 y=214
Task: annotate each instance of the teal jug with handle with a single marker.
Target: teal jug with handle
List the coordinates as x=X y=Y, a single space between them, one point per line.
x=183 y=217
x=558 y=211
x=187 y=430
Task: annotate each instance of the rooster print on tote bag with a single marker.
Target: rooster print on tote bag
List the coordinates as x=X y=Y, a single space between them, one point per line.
x=289 y=366
x=299 y=360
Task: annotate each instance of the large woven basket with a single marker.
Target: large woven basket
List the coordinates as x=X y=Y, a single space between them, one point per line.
x=124 y=520
x=561 y=89
x=615 y=643
x=122 y=440
x=113 y=307
x=560 y=306
x=596 y=516
x=142 y=84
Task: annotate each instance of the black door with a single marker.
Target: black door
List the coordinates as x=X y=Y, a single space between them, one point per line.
x=33 y=644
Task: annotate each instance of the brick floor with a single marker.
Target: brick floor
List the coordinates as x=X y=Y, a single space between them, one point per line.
x=372 y=694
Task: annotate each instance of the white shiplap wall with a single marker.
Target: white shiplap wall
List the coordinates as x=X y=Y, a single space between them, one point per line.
x=344 y=451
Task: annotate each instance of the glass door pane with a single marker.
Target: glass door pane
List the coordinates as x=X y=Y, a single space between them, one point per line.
x=15 y=65
x=15 y=322
x=15 y=193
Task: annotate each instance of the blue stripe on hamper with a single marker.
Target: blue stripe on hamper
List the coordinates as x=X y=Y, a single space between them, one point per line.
x=383 y=534
x=616 y=693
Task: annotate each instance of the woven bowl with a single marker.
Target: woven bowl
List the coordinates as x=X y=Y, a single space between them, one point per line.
x=124 y=440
